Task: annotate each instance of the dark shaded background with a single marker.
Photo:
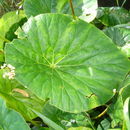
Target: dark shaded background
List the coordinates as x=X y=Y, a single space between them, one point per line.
x=110 y=3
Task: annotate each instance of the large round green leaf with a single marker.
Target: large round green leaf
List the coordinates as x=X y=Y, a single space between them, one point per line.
x=72 y=63
x=85 y=9
x=10 y=119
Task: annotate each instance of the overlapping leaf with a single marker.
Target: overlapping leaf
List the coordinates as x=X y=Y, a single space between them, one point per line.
x=6 y=22
x=120 y=34
x=85 y=9
x=10 y=119
x=111 y=16
x=8 y=25
x=65 y=119
x=68 y=62
x=18 y=98
x=116 y=108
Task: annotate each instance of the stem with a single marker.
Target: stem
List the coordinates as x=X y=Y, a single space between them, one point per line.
x=117 y=2
x=101 y=114
x=72 y=8
x=123 y=3
x=89 y=121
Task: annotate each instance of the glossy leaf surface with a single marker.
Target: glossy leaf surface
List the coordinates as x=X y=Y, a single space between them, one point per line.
x=69 y=62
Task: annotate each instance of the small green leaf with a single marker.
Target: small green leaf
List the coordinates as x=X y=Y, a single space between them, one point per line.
x=115 y=112
x=49 y=122
x=10 y=119
x=125 y=91
x=120 y=35
x=6 y=22
x=104 y=125
x=111 y=16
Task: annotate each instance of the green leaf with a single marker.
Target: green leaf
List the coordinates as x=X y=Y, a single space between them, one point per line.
x=48 y=121
x=116 y=108
x=85 y=9
x=68 y=62
x=127 y=112
x=10 y=119
x=20 y=34
x=115 y=112
x=104 y=125
x=120 y=35
x=10 y=35
x=19 y=98
x=125 y=91
x=54 y=114
x=6 y=22
x=65 y=119
x=111 y=16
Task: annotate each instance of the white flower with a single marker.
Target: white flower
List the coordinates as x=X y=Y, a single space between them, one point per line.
x=10 y=73
x=114 y=90
x=10 y=67
x=3 y=66
x=5 y=75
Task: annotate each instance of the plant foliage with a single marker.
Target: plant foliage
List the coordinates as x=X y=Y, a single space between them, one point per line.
x=61 y=72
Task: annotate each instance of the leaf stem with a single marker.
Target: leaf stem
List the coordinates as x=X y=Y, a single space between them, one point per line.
x=123 y=3
x=117 y=2
x=72 y=8
x=89 y=121
x=101 y=114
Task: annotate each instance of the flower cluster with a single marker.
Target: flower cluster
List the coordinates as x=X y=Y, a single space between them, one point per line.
x=11 y=73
